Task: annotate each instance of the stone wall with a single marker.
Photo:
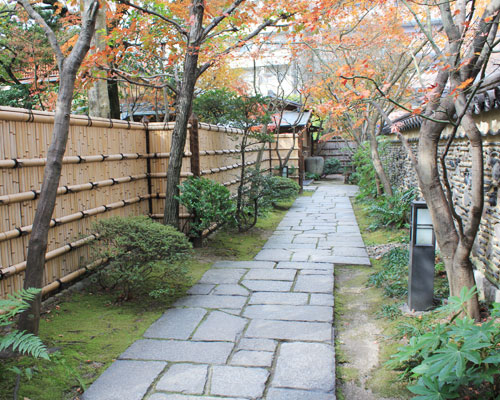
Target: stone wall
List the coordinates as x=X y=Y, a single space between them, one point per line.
x=486 y=252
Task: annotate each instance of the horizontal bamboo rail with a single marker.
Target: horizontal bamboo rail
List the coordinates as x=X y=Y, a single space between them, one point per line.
x=41 y=162
x=17 y=268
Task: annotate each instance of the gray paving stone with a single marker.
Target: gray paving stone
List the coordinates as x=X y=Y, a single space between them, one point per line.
x=231 y=289
x=220 y=326
x=290 y=313
x=243 y=264
x=173 y=396
x=184 y=378
x=201 y=288
x=315 y=272
x=289 y=246
x=212 y=301
x=342 y=260
x=125 y=380
x=289 y=330
x=179 y=351
x=292 y=394
x=238 y=381
x=305 y=265
x=309 y=240
x=226 y=275
x=249 y=358
x=273 y=255
x=268 y=286
x=278 y=298
x=257 y=344
x=321 y=299
x=309 y=366
x=176 y=323
x=272 y=274
x=349 y=251
x=314 y=284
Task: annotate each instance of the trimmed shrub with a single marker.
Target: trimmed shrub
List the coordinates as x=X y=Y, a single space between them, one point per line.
x=208 y=202
x=144 y=257
x=332 y=166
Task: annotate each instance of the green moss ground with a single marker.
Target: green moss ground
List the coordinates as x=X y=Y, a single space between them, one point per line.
x=351 y=289
x=87 y=330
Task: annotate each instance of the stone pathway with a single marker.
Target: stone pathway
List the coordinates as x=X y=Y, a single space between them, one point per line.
x=251 y=329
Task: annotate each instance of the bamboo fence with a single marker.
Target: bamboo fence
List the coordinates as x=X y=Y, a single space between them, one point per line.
x=110 y=168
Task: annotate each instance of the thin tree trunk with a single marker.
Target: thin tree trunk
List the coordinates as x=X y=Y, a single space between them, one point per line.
x=375 y=157
x=185 y=100
x=68 y=67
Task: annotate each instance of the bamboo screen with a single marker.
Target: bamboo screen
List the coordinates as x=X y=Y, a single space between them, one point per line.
x=110 y=168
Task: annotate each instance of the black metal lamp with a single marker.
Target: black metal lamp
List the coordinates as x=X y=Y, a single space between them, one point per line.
x=422 y=258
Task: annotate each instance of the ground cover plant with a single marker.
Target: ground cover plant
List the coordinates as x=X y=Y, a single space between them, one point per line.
x=86 y=331
x=453 y=357
x=332 y=166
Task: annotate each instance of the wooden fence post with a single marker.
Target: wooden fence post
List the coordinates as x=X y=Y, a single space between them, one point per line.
x=301 y=162
x=194 y=146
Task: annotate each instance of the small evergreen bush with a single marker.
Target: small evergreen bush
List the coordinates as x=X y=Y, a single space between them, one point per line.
x=280 y=189
x=144 y=257
x=208 y=202
x=457 y=358
x=332 y=166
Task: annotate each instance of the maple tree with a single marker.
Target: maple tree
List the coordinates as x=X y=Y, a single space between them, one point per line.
x=68 y=60
x=458 y=69
x=197 y=34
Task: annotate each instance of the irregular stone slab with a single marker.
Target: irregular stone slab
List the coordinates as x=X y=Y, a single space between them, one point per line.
x=220 y=326
x=290 y=313
x=230 y=290
x=125 y=380
x=267 y=286
x=176 y=323
x=165 y=396
x=300 y=239
x=243 y=264
x=179 y=351
x=309 y=366
x=201 y=288
x=272 y=274
x=248 y=358
x=316 y=272
x=289 y=246
x=218 y=276
x=288 y=330
x=273 y=255
x=238 y=381
x=350 y=251
x=278 y=298
x=321 y=299
x=305 y=265
x=184 y=378
x=292 y=394
x=314 y=284
x=231 y=311
x=258 y=344
x=211 y=301
x=342 y=260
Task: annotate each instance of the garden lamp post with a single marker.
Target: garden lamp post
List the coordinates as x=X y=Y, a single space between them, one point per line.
x=422 y=253
x=285 y=172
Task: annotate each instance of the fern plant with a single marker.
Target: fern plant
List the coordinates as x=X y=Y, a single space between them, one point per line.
x=20 y=341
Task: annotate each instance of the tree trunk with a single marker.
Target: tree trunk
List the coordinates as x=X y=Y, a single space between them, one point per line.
x=37 y=246
x=114 y=99
x=68 y=67
x=375 y=157
x=185 y=100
